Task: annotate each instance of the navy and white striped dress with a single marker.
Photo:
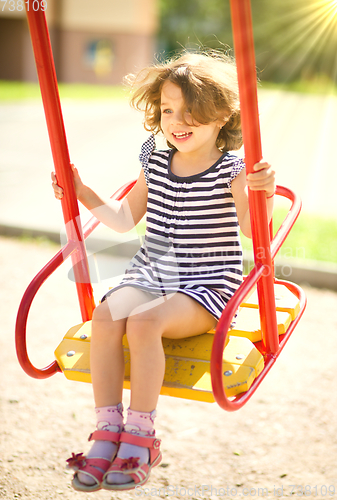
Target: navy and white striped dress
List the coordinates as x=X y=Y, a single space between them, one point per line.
x=192 y=242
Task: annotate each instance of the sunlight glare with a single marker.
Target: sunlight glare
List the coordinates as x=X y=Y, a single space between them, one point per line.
x=333 y=5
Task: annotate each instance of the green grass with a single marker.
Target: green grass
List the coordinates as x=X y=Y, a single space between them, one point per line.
x=20 y=91
x=319 y=86
x=313 y=237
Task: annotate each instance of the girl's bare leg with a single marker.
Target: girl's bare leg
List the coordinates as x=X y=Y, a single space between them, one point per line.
x=106 y=348
x=179 y=316
x=107 y=366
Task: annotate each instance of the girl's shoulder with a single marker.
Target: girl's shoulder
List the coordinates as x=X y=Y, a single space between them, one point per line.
x=149 y=155
x=230 y=166
x=148 y=150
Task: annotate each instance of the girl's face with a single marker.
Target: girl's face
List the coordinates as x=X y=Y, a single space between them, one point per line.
x=196 y=138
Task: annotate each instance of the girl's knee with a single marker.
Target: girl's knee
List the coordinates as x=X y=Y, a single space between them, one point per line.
x=102 y=322
x=143 y=326
x=101 y=314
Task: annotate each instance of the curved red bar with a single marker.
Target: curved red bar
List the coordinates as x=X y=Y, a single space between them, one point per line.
x=232 y=306
x=216 y=361
x=21 y=321
x=220 y=340
x=40 y=278
x=288 y=222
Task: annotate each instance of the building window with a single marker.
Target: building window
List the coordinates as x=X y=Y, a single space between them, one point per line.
x=99 y=56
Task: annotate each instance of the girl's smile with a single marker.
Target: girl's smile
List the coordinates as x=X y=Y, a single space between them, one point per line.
x=182 y=136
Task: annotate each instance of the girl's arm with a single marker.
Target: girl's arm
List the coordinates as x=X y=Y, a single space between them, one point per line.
x=121 y=216
x=263 y=179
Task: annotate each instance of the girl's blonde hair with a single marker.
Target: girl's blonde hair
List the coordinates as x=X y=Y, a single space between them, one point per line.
x=208 y=82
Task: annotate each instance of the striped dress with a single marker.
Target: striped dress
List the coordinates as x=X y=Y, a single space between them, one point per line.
x=192 y=242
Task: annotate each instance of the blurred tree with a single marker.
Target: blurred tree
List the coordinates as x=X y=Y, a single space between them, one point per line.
x=194 y=23
x=293 y=40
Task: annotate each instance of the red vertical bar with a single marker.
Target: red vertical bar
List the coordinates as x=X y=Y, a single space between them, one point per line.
x=245 y=60
x=52 y=107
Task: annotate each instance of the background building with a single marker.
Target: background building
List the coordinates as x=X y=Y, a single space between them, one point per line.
x=93 y=41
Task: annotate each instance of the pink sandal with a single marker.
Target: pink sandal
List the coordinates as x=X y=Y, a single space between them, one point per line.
x=140 y=473
x=93 y=467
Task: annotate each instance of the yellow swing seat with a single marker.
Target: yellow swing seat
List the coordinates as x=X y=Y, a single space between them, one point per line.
x=187 y=373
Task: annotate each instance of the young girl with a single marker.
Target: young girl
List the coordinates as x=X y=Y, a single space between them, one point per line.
x=177 y=285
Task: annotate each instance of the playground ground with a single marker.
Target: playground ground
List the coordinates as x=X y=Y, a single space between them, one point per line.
x=283 y=443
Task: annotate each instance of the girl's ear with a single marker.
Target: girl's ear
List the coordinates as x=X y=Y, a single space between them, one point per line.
x=222 y=121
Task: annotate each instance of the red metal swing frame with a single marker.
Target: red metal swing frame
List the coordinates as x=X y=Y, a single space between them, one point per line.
x=264 y=244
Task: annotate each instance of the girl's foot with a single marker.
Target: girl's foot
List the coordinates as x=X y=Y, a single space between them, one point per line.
x=131 y=472
x=138 y=424
x=109 y=419
x=91 y=470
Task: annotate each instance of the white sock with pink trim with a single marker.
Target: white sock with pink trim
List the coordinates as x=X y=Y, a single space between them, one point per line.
x=109 y=418
x=140 y=424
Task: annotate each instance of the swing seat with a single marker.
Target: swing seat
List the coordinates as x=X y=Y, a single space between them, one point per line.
x=248 y=323
x=285 y=300
x=187 y=373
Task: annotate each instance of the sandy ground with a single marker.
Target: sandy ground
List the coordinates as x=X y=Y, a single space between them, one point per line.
x=283 y=443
